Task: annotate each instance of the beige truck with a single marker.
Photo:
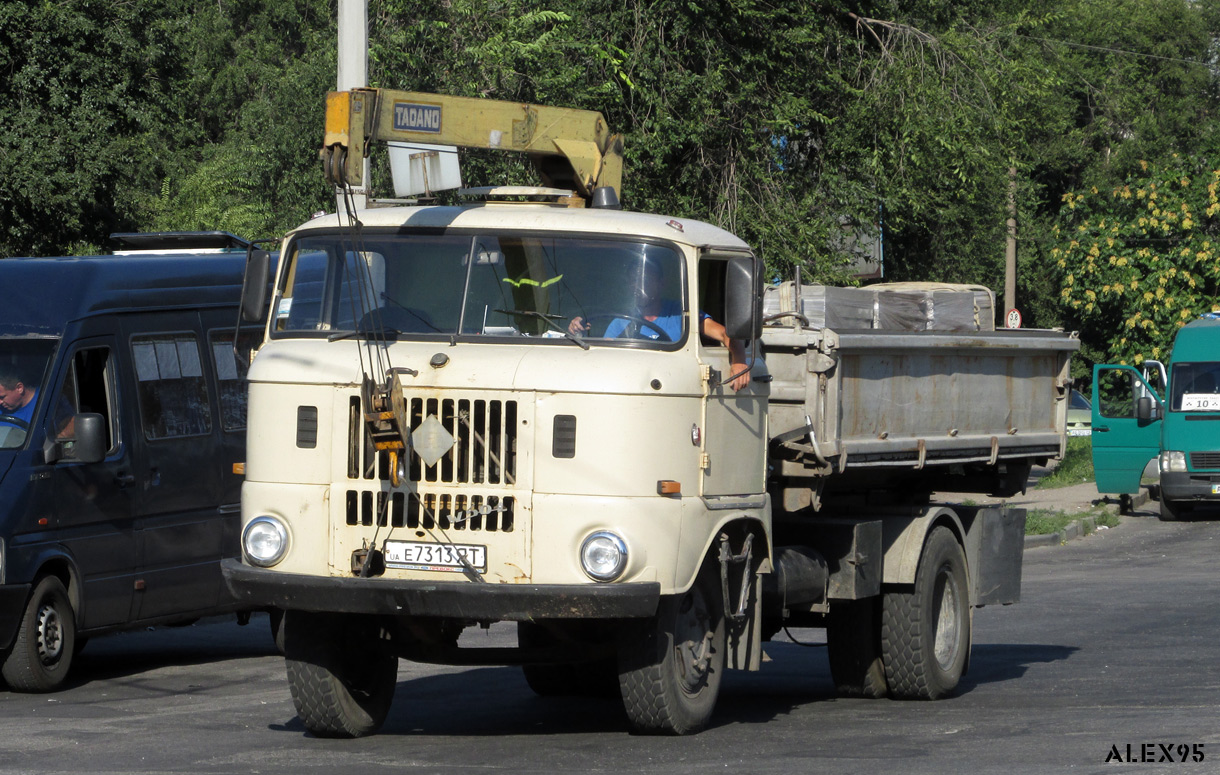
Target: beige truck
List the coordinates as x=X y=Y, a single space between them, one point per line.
x=522 y=409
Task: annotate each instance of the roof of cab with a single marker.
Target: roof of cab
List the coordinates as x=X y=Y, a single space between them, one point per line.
x=539 y=217
x=43 y=294
x=1198 y=340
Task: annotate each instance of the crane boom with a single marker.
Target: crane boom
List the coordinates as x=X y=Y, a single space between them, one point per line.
x=571 y=148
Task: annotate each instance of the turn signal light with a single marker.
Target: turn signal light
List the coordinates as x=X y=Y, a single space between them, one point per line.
x=668 y=487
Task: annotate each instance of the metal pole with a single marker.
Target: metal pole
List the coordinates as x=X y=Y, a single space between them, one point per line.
x=1010 y=251
x=353 y=72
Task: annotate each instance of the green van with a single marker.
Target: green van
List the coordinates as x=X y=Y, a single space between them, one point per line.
x=1173 y=413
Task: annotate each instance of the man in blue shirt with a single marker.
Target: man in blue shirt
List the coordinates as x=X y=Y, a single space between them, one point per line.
x=17 y=399
x=660 y=319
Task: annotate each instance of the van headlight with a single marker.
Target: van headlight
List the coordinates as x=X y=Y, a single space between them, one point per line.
x=603 y=556
x=1173 y=460
x=264 y=541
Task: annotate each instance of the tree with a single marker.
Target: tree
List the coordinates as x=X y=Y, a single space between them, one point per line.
x=1142 y=259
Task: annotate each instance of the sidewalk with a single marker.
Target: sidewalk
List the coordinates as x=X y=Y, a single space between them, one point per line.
x=1073 y=499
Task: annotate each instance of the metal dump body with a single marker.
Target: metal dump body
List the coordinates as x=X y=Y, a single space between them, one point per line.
x=910 y=399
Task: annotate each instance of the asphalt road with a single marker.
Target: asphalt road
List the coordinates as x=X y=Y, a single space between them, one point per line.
x=1114 y=644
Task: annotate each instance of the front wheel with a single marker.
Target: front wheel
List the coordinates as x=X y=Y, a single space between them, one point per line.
x=1171 y=511
x=46 y=641
x=670 y=667
x=925 y=629
x=341 y=675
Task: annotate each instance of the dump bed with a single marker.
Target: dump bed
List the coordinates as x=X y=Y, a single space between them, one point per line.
x=909 y=399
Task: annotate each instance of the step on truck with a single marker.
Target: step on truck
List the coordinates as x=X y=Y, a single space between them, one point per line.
x=539 y=408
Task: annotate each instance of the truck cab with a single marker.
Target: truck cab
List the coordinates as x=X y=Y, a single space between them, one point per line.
x=1135 y=420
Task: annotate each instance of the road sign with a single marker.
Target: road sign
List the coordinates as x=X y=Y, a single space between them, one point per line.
x=1013 y=320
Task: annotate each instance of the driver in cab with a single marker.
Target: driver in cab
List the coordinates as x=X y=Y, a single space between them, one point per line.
x=659 y=318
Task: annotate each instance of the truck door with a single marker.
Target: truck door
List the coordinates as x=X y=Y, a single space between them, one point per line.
x=179 y=528
x=1124 y=438
x=734 y=432
x=95 y=502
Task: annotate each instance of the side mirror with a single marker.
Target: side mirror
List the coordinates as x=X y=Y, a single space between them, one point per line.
x=254 y=285
x=87 y=445
x=1143 y=408
x=743 y=299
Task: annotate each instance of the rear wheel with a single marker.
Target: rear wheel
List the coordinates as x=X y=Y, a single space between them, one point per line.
x=341 y=674
x=46 y=640
x=671 y=666
x=925 y=630
x=853 y=646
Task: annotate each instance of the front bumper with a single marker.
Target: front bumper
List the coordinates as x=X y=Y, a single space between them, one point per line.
x=1187 y=486
x=258 y=588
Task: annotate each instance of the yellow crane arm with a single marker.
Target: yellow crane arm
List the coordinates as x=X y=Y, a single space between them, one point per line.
x=571 y=148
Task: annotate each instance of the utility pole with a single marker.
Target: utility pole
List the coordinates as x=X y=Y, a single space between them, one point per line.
x=1010 y=251
x=353 y=73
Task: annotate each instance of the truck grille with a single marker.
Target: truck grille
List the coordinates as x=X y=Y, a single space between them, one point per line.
x=1202 y=461
x=444 y=511
x=484 y=451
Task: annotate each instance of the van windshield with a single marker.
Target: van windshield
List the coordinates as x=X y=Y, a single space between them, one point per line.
x=521 y=287
x=1196 y=387
x=23 y=372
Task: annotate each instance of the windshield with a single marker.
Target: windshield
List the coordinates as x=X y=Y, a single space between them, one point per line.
x=1195 y=387
x=482 y=285
x=23 y=371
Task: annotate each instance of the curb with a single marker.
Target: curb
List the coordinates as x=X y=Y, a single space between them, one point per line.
x=1081 y=527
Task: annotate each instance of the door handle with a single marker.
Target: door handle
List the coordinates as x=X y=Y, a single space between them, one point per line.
x=1101 y=428
x=122 y=480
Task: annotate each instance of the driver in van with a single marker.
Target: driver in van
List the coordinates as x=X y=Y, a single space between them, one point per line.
x=17 y=399
x=660 y=318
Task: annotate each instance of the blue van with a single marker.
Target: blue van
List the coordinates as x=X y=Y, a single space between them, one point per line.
x=122 y=440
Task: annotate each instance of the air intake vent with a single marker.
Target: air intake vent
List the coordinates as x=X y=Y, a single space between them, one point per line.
x=563 y=440
x=307 y=427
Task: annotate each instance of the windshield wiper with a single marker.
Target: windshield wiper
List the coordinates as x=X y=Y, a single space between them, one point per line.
x=549 y=320
x=383 y=334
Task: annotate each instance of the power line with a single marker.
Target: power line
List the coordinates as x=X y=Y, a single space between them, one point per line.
x=1123 y=52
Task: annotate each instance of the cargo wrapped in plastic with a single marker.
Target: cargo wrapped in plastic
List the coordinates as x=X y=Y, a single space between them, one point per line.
x=944 y=306
x=820 y=306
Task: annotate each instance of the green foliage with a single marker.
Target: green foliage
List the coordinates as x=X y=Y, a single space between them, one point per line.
x=1139 y=261
x=798 y=126
x=1076 y=466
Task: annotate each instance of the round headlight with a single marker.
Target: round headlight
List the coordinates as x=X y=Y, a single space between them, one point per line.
x=603 y=556
x=265 y=541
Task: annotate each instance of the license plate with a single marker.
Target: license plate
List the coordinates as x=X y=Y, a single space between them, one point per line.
x=419 y=555
x=1216 y=489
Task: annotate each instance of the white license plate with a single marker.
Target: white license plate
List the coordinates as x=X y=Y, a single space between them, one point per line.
x=1216 y=489
x=419 y=555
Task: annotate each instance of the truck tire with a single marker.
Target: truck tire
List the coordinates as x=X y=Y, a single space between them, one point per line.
x=596 y=678
x=341 y=676
x=46 y=640
x=925 y=629
x=1171 y=511
x=671 y=665
x=853 y=647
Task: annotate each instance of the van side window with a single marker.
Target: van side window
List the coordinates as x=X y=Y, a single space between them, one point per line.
x=87 y=387
x=172 y=389
x=231 y=375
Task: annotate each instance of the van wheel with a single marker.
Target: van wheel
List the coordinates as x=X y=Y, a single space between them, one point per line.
x=341 y=673
x=925 y=632
x=853 y=647
x=46 y=640
x=1171 y=511
x=671 y=666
